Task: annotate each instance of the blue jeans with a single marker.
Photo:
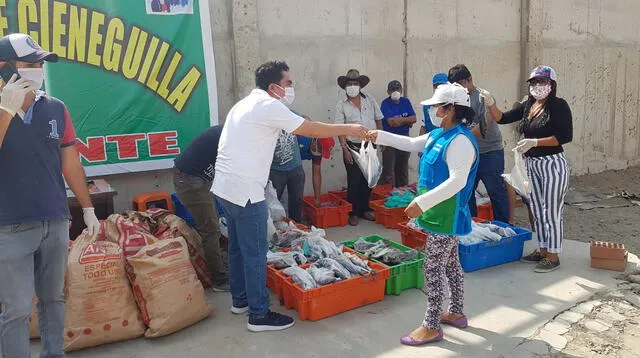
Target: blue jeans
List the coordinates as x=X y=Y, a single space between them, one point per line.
x=490 y=172
x=33 y=259
x=248 y=247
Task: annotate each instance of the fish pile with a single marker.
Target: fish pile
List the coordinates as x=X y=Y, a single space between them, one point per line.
x=400 y=198
x=327 y=270
x=328 y=204
x=383 y=252
x=481 y=232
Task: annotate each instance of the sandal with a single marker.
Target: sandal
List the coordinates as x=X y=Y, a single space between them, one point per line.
x=353 y=220
x=369 y=215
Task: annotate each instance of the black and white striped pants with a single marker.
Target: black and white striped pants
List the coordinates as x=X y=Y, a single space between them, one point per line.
x=549 y=181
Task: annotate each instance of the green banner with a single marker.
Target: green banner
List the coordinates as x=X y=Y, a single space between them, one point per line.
x=138 y=76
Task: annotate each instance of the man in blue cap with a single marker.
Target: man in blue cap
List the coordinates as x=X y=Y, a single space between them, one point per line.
x=427 y=126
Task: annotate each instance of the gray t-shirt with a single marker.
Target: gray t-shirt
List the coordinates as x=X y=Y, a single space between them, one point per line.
x=493 y=138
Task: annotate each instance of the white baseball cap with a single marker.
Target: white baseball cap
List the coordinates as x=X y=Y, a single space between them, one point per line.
x=449 y=94
x=21 y=47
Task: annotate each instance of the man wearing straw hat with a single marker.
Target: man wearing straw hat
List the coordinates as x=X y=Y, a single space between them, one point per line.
x=357 y=108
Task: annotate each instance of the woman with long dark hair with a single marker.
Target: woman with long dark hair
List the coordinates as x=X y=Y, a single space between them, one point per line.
x=545 y=125
x=447 y=174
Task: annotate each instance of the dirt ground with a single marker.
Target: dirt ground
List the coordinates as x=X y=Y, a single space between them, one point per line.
x=611 y=224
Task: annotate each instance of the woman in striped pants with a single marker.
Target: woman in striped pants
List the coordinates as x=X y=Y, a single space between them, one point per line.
x=545 y=125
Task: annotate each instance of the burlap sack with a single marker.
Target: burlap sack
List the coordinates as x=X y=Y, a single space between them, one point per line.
x=172 y=226
x=166 y=287
x=100 y=305
x=131 y=230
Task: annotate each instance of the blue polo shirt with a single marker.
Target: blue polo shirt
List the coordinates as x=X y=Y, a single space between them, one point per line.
x=400 y=109
x=31 y=184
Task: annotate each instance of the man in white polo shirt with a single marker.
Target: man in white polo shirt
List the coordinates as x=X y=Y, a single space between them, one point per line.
x=242 y=168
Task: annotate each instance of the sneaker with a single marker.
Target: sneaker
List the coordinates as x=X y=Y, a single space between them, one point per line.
x=533 y=258
x=547 y=265
x=239 y=310
x=272 y=321
x=221 y=287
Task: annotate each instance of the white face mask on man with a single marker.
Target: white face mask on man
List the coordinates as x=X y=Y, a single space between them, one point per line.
x=289 y=96
x=33 y=74
x=395 y=95
x=352 y=91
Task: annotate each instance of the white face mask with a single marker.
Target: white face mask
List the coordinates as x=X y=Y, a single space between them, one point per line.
x=289 y=96
x=540 y=91
x=435 y=119
x=396 y=95
x=352 y=91
x=33 y=74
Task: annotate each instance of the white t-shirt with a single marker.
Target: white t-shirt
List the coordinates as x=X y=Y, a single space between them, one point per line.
x=247 y=144
x=460 y=157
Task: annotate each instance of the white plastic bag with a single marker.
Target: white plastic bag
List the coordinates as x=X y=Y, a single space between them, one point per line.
x=275 y=206
x=367 y=160
x=518 y=178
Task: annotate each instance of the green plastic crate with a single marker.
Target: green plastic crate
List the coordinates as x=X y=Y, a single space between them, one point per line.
x=403 y=276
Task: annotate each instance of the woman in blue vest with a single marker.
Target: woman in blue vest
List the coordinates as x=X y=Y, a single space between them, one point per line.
x=446 y=178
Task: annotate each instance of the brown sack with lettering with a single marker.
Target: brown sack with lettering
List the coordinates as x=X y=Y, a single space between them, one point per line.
x=171 y=226
x=166 y=287
x=100 y=304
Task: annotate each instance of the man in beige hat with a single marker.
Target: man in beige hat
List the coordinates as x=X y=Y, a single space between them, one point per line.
x=357 y=108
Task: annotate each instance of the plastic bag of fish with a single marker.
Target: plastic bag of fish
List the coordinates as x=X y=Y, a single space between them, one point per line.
x=287 y=234
x=481 y=232
x=283 y=260
x=383 y=252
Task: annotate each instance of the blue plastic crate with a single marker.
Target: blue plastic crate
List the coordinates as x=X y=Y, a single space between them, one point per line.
x=181 y=211
x=491 y=253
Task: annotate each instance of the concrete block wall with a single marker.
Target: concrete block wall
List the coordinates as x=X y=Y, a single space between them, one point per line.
x=595 y=47
x=593 y=44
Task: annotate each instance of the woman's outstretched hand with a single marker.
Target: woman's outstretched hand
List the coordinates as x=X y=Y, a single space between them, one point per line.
x=372 y=136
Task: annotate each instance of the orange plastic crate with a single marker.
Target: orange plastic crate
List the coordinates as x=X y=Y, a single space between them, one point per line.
x=326 y=217
x=342 y=194
x=274 y=282
x=380 y=192
x=413 y=238
x=485 y=212
x=330 y=300
x=389 y=217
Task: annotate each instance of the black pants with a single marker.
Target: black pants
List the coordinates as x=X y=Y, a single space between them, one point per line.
x=395 y=167
x=293 y=180
x=358 y=190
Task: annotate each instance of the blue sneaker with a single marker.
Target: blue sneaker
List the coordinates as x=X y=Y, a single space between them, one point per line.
x=272 y=321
